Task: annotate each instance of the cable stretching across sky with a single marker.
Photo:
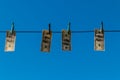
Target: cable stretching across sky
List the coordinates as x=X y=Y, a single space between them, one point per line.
x=77 y=31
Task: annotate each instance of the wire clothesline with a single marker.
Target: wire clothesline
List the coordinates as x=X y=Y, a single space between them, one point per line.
x=49 y=26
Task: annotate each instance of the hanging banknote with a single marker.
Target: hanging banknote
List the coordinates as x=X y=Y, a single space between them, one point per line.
x=99 y=40
x=46 y=41
x=10 y=41
x=66 y=40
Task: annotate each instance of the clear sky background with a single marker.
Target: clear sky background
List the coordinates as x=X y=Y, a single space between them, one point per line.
x=82 y=63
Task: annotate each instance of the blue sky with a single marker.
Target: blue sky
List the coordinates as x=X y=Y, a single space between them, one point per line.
x=82 y=63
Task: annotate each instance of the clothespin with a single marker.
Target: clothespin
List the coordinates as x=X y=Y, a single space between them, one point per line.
x=69 y=24
x=12 y=28
x=102 y=27
x=49 y=26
